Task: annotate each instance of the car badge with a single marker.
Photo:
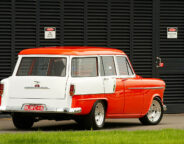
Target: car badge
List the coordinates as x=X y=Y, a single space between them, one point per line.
x=37 y=85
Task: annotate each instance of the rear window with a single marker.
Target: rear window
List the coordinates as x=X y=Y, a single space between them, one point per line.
x=84 y=67
x=42 y=66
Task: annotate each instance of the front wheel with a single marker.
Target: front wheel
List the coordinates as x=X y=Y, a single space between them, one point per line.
x=96 y=118
x=154 y=114
x=21 y=121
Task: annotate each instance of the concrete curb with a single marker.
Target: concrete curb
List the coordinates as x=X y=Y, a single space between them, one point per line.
x=4 y=115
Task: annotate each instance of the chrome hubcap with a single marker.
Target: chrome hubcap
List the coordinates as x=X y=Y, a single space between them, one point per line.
x=99 y=114
x=154 y=111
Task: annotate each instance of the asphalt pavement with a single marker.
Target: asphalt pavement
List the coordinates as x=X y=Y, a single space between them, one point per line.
x=175 y=121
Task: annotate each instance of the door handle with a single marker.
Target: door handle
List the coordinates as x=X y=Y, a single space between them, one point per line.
x=106 y=78
x=123 y=79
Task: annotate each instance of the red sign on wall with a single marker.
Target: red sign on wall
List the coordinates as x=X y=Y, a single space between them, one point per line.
x=50 y=32
x=172 y=32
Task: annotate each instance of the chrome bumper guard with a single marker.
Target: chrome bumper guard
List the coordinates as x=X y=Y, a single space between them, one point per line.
x=164 y=107
x=49 y=110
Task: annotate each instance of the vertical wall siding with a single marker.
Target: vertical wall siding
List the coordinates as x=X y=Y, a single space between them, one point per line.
x=172 y=50
x=5 y=38
x=120 y=25
x=49 y=14
x=171 y=15
x=174 y=93
x=97 y=16
x=25 y=25
x=142 y=37
x=73 y=20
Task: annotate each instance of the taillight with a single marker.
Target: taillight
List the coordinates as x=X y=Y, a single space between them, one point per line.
x=1 y=91
x=72 y=90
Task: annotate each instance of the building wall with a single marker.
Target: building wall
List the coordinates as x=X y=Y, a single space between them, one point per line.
x=138 y=27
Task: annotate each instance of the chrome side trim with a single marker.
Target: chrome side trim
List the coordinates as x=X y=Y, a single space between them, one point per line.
x=36 y=88
x=37 y=98
x=147 y=88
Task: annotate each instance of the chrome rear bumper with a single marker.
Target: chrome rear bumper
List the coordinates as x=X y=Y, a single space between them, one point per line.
x=49 y=110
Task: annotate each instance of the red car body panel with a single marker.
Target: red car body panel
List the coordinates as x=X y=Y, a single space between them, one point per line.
x=130 y=100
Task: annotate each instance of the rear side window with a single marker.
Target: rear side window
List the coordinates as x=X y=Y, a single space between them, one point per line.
x=42 y=66
x=108 y=66
x=84 y=67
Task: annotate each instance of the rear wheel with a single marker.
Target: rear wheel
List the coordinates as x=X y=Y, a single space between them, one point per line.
x=154 y=114
x=21 y=121
x=96 y=118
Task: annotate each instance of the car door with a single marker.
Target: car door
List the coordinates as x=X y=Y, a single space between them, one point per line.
x=109 y=75
x=133 y=92
x=120 y=81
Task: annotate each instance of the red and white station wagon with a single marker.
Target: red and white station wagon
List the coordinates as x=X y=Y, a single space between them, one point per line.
x=87 y=84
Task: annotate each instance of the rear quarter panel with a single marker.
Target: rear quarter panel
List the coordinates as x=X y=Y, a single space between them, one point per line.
x=86 y=102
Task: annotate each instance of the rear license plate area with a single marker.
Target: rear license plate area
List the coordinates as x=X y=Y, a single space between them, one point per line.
x=34 y=107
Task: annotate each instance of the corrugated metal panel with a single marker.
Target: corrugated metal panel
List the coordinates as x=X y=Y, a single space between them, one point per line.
x=171 y=15
x=73 y=22
x=172 y=50
x=25 y=25
x=142 y=37
x=5 y=38
x=120 y=25
x=174 y=93
x=97 y=26
x=50 y=16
